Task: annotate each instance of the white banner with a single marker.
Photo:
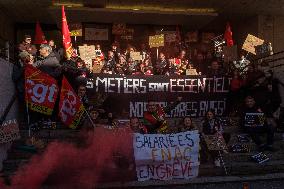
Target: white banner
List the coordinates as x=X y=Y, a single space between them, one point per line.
x=166 y=157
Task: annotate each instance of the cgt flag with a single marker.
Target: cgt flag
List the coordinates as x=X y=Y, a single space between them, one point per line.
x=41 y=90
x=66 y=36
x=71 y=108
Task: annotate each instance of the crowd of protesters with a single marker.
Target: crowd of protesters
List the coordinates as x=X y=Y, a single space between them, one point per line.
x=250 y=92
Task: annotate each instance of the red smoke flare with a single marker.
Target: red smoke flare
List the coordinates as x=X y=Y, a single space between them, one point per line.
x=65 y=165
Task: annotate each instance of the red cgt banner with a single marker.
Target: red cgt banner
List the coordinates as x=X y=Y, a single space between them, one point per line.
x=41 y=90
x=71 y=108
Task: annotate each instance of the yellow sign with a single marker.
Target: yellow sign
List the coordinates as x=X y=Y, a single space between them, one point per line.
x=251 y=42
x=156 y=41
x=76 y=32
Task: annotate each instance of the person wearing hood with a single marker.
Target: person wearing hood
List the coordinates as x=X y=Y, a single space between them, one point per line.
x=49 y=64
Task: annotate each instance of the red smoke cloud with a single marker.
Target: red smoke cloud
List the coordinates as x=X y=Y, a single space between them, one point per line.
x=65 y=165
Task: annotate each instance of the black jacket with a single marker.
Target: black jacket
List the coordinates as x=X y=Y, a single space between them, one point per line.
x=211 y=127
x=49 y=65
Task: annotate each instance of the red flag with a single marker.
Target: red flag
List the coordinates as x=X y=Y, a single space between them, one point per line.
x=71 y=108
x=41 y=90
x=39 y=35
x=66 y=36
x=229 y=35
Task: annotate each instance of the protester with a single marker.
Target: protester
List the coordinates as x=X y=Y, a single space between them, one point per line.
x=215 y=70
x=82 y=72
x=154 y=117
x=18 y=75
x=50 y=63
x=82 y=94
x=161 y=64
x=257 y=127
x=213 y=126
x=235 y=93
x=26 y=45
x=57 y=51
x=136 y=126
x=110 y=62
x=186 y=125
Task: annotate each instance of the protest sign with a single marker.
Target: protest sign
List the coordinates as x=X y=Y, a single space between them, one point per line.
x=215 y=142
x=71 y=108
x=41 y=90
x=133 y=93
x=251 y=42
x=254 y=119
x=9 y=131
x=135 y=56
x=166 y=157
x=87 y=53
x=191 y=72
x=156 y=41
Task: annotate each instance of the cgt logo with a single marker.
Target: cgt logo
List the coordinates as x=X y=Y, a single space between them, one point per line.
x=39 y=92
x=68 y=108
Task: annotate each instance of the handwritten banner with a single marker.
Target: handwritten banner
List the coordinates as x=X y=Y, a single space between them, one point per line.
x=133 y=93
x=166 y=157
x=251 y=42
x=156 y=41
x=9 y=131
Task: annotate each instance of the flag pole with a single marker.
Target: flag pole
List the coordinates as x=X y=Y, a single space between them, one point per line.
x=88 y=115
x=28 y=115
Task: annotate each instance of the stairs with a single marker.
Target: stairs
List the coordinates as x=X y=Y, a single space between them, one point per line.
x=238 y=164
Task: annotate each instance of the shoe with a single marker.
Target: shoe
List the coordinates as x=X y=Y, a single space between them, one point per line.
x=217 y=163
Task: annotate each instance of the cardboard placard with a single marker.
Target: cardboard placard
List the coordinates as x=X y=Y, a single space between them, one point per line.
x=156 y=41
x=9 y=131
x=135 y=56
x=251 y=42
x=191 y=72
x=87 y=53
x=230 y=53
x=214 y=142
x=254 y=119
